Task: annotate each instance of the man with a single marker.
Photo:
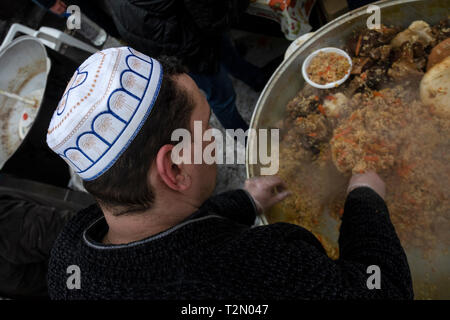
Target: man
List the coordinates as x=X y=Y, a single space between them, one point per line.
x=158 y=234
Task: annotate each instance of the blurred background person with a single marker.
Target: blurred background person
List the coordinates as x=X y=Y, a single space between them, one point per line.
x=32 y=215
x=196 y=33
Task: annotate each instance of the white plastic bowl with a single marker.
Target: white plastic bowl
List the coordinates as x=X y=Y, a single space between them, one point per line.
x=331 y=84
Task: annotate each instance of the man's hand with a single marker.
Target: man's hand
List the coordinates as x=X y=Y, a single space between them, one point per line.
x=266 y=191
x=369 y=179
x=58 y=7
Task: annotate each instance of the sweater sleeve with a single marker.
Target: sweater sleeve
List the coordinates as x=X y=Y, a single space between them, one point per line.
x=236 y=205
x=367 y=237
x=294 y=264
x=28 y=229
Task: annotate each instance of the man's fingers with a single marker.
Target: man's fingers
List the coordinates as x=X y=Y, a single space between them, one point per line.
x=273 y=181
x=269 y=181
x=280 y=196
x=281 y=187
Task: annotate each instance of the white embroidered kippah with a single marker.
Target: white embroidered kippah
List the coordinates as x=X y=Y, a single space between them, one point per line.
x=104 y=106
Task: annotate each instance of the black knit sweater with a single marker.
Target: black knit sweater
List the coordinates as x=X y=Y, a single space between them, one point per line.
x=216 y=254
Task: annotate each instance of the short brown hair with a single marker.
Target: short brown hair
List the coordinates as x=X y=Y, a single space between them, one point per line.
x=124 y=188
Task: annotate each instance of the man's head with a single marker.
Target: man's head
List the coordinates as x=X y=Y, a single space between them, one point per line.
x=143 y=174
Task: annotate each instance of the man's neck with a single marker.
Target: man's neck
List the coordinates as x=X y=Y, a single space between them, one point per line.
x=134 y=227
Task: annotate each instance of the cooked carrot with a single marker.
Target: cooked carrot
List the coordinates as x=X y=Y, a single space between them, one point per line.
x=402 y=171
x=332 y=98
x=405 y=169
x=377 y=94
x=407 y=198
x=342 y=133
x=321 y=109
x=349 y=141
x=377 y=148
x=339 y=155
x=312 y=134
x=371 y=158
x=358 y=45
x=278 y=4
x=316 y=98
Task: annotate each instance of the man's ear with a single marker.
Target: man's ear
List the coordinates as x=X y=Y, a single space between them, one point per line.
x=173 y=175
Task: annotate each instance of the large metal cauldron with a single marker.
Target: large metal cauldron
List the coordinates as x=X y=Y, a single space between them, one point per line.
x=287 y=81
x=24 y=67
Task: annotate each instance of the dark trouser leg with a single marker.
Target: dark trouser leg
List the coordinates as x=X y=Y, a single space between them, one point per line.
x=221 y=97
x=240 y=68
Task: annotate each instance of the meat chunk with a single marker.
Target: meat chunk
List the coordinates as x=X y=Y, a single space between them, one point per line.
x=359 y=64
x=302 y=106
x=418 y=31
x=315 y=126
x=355 y=84
x=381 y=53
x=362 y=43
x=435 y=88
x=439 y=53
x=405 y=66
x=404 y=70
x=310 y=131
x=334 y=104
x=441 y=31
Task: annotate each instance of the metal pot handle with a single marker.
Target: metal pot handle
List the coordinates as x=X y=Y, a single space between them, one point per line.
x=51 y=37
x=297 y=44
x=13 y=30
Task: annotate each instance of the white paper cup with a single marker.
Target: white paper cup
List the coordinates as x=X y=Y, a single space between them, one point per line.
x=331 y=84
